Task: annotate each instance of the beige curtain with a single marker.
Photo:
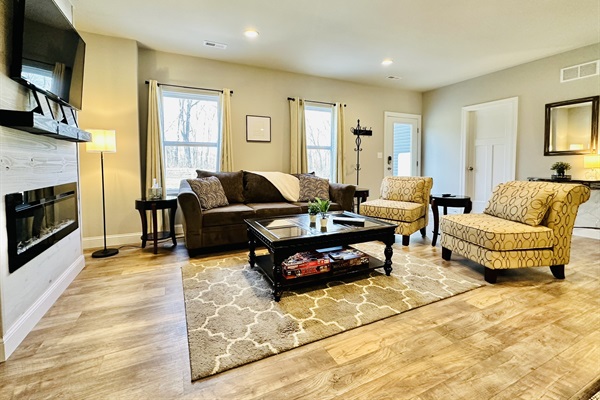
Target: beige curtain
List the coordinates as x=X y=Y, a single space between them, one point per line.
x=155 y=168
x=341 y=129
x=226 y=134
x=298 y=158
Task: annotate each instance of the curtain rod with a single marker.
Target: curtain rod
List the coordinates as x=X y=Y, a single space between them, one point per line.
x=189 y=87
x=314 y=101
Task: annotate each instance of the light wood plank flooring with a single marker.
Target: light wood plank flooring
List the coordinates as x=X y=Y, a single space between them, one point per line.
x=119 y=332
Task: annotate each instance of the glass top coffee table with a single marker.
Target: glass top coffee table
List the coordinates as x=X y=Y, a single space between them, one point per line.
x=287 y=235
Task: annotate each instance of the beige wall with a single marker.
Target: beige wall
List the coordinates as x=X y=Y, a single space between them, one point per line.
x=115 y=73
x=536 y=84
x=110 y=102
x=259 y=91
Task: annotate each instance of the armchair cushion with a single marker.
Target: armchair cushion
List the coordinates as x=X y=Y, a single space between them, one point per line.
x=520 y=203
x=402 y=211
x=496 y=233
x=404 y=189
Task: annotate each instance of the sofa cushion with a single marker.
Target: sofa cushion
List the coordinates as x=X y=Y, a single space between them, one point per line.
x=403 y=211
x=495 y=233
x=520 y=203
x=274 y=209
x=258 y=189
x=209 y=191
x=313 y=186
x=229 y=215
x=232 y=183
x=403 y=189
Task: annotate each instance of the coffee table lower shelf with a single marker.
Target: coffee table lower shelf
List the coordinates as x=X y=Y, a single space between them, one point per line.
x=266 y=265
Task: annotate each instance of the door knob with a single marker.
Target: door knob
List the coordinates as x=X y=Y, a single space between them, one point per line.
x=470 y=168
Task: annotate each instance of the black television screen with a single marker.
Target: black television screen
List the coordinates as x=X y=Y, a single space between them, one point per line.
x=48 y=53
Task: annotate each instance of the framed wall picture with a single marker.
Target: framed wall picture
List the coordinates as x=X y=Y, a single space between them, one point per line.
x=258 y=128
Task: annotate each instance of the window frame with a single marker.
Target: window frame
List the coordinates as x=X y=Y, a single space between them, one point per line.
x=333 y=129
x=177 y=93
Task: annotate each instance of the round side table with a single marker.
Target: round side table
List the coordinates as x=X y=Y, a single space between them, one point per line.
x=143 y=205
x=360 y=195
x=438 y=200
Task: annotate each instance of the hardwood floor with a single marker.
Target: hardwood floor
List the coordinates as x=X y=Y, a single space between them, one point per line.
x=119 y=332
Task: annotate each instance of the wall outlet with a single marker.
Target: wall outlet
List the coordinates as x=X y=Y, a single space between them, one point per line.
x=379 y=155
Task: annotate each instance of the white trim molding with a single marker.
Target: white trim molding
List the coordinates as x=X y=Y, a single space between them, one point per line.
x=25 y=324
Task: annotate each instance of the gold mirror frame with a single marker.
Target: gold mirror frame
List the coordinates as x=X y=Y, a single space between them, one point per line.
x=572 y=112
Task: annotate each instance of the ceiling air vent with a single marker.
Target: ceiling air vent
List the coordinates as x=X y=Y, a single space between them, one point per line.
x=215 y=45
x=580 y=71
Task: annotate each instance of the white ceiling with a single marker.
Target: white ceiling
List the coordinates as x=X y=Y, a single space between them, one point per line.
x=433 y=42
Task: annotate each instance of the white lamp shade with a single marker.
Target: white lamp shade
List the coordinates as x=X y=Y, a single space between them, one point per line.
x=591 y=162
x=103 y=141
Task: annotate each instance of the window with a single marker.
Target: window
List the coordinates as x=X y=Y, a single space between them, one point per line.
x=320 y=141
x=191 y=135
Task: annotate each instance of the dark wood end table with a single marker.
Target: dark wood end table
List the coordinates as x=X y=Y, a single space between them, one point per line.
x=143 y=205
x=438 y=200
x=360 y=195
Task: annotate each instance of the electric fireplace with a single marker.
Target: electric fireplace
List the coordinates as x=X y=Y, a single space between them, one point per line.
x=37 y=219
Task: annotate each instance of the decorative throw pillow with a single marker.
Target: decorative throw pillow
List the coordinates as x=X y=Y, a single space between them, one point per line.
x=519 y=203
x=232 y=183
x=313 y=186
x=209 y=191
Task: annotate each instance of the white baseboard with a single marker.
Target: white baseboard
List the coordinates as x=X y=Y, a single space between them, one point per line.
x=93 y=242
x=589 y=233
x=16 y=333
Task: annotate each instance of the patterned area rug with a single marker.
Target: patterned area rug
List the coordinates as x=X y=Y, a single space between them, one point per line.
x=232 y=319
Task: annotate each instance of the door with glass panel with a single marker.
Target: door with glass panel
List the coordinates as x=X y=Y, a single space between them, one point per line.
x=402 y=144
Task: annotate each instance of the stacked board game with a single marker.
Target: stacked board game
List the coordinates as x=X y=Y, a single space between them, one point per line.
x=321 y=261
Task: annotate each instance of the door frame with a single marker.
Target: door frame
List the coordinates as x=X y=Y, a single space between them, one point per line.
x=393 y=114
x=466 y=141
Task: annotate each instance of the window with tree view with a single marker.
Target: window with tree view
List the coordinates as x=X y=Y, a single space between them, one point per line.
x=191 y=135
x=320 y=142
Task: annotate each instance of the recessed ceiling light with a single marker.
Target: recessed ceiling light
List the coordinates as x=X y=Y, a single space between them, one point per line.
x=387 y=61
x=251 y=33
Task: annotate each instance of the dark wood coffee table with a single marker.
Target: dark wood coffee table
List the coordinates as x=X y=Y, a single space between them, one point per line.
x=287 y=235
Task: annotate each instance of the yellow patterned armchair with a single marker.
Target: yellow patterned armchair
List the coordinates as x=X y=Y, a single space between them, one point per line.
x=525 y=224
x=404 y=201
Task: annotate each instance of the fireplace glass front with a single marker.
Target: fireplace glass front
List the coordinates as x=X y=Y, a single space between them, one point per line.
x=37 y=219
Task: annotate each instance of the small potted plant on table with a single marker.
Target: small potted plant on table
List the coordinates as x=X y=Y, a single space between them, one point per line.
x=313 y=210
x=323 y=208
x=560 y=168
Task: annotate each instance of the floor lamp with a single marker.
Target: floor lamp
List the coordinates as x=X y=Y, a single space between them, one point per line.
x=103 y=141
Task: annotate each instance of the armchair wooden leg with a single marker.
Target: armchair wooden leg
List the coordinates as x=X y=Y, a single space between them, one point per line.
x=558 y=271
x=405 y=240
x=423 y=232
x=490 y=275
x=446 y=254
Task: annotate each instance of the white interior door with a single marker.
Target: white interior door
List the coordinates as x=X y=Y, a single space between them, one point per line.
x=489 y=135
x=402 y=144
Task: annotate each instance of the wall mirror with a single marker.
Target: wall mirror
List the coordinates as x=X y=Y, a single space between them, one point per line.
x=571 y=127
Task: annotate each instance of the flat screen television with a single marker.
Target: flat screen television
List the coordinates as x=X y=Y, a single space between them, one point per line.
x=48 y=53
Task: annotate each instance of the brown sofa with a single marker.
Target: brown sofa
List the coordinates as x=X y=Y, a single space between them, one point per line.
x=250 y=196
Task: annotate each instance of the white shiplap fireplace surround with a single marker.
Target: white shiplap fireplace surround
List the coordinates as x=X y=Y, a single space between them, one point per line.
x=27 y=162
